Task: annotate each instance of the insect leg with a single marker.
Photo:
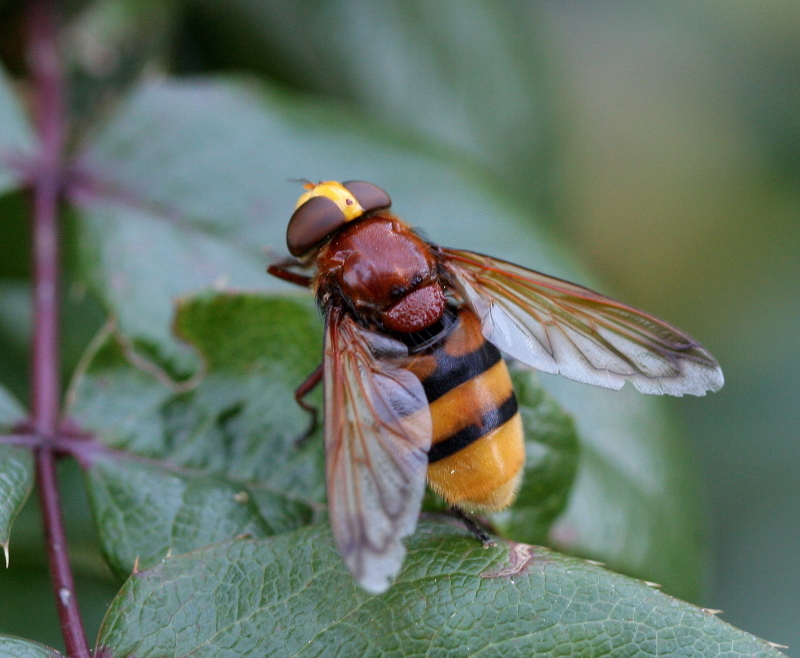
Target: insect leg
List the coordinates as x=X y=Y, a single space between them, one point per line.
x=304 y=389
x=474 y=529
x=281 y=270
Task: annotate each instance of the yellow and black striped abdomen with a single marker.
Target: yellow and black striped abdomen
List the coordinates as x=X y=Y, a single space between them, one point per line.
x=477 y=451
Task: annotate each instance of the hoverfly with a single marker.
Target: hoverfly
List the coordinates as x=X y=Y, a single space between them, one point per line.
x=415 y=387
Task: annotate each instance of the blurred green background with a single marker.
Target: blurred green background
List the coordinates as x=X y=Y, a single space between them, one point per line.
x=659 y=141
x=679 y=181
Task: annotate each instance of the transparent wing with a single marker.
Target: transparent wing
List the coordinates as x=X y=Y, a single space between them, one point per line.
x=559 y=327
x=377 y=435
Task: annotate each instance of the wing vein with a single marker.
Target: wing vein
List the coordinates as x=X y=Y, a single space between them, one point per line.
x=376 y=444
x=560 y=327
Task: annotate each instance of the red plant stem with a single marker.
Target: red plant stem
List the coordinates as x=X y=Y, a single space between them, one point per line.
x=48 y=85
x=61 y=573
x=44 y=66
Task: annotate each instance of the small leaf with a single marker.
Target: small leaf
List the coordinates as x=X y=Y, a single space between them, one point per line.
x=291 y=595
x=15 y=647
x=140 y=263
x=16 y=470
x=16 y=137
x=16 y=483
x=191 y=467
x=164 y=194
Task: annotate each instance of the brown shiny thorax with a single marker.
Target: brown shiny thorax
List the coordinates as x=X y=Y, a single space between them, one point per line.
x=385 y=271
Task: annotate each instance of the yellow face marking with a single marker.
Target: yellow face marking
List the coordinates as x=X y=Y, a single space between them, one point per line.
x=337 y=193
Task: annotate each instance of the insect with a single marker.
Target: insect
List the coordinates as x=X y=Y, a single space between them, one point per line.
x=415 y=387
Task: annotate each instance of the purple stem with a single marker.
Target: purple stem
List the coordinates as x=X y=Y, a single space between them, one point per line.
x=48 y=85
x=61 y=573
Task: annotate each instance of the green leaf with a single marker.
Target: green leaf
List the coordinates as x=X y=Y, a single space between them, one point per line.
x=466 y=77
x=16 y=470
x=29 y=609
x=634 y=503
x=183 y=467
x=291 y=595
x=16 y=483
x=164 y=195
x=14 y=647
x=16 y=137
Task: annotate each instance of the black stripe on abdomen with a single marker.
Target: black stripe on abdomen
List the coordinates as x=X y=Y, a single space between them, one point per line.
x=471 y=433
x=454 y=370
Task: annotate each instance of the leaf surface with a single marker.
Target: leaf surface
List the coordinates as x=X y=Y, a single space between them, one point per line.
x=15 y=647
x=291 y=596
x=11 y=411
x=180 y=468
x=16 y=469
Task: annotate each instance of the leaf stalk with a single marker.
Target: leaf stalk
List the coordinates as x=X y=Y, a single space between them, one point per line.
x=48 y=84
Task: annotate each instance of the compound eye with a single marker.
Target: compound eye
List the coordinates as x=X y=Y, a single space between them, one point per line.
x=370 y=196
x=311 y=223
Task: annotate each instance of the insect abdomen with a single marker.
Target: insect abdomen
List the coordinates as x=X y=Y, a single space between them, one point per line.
x=477 y=450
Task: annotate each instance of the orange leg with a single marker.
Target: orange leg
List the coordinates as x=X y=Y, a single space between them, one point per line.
x=281 y=270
